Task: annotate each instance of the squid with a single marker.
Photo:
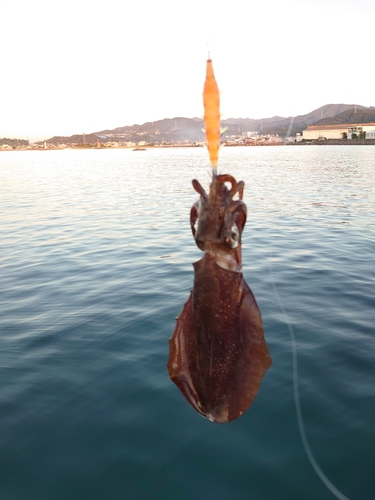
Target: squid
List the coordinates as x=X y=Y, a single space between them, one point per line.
x=217 y=353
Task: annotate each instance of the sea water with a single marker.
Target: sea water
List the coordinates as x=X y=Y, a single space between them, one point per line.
x=95 y=265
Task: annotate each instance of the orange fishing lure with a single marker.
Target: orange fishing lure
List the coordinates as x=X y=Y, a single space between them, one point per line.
x=211 y=102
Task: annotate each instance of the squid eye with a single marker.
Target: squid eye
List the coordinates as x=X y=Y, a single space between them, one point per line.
x=235 y=234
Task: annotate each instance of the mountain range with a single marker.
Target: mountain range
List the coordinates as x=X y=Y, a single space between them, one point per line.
x=178 y=130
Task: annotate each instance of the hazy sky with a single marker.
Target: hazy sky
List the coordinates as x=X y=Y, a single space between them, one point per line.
x=83 y=66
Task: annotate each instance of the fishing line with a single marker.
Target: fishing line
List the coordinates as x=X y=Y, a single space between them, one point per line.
x=301 y=426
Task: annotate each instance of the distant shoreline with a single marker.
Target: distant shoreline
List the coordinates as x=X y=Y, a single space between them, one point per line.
x=326 y=142
x=337 y=142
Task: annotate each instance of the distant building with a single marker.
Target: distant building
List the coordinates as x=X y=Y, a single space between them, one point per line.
x=336 y=131
x=370 y=134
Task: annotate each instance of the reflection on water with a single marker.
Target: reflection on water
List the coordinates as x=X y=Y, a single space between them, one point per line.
x=96 y=263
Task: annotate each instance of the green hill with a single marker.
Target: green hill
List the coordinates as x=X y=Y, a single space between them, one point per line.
x=14 y=142
x=357 y=114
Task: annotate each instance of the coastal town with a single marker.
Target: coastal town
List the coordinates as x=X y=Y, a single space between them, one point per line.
x=253 y=139
x=330 y=124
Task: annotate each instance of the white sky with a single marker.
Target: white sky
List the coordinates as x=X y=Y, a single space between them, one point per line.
x=83 y=66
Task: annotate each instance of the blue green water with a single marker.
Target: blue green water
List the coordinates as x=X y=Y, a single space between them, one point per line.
x=95 y=263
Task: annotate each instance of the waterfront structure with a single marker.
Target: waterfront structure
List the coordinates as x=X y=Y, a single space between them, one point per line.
x=337 y=131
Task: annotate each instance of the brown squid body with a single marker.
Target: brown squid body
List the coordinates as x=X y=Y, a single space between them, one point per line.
x=217 y=353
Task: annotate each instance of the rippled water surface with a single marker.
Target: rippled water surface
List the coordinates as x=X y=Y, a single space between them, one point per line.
x=95 y=264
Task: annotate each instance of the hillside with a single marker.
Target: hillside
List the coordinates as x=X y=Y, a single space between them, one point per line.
x=358 y=114
x=179 y=129
x=13 y=142
x=167 y=130
x=292 y=125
